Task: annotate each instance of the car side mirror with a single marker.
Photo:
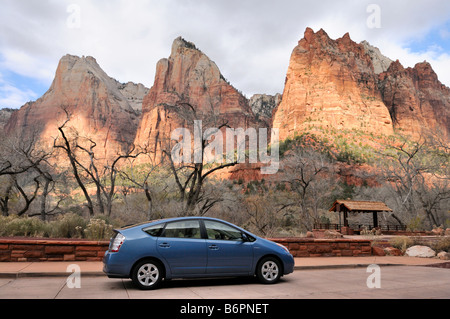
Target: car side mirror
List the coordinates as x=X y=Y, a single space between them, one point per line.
x=244 y=237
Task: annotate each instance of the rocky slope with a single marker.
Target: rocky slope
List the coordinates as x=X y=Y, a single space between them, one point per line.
x=5 y=114
x=263 y=104
x=134 y=93
x=418 y=103
x=189 y=86
x=380 y=62
x=94 y=102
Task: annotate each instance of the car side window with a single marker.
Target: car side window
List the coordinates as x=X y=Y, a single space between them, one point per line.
x=154 y=230
x=182 y=229
x=221 y=231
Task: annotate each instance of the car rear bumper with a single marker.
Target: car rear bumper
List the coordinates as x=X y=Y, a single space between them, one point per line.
x=113 y=268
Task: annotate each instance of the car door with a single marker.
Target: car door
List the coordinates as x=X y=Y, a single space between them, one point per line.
x=228 y=253
x=183 y=247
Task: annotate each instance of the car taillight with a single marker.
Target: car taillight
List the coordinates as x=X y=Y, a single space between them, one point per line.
x=117 y=242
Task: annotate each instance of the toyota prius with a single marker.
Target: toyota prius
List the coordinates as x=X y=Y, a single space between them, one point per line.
x=192 y=247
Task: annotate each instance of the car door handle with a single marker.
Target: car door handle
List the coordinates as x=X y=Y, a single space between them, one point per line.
x=164 y=245
x=213 y=247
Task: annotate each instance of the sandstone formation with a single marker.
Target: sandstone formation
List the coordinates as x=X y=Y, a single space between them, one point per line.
x=331 y=84
x=134 y=93
x=93 y=101
x=380 y=62
x=188 y=86
x=5 y=114
x=418 y=103
x=345 y=86
x=263 y=104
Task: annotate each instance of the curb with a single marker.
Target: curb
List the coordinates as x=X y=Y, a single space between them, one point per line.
x=37 y=274
x=344 y=266
x=17 y=275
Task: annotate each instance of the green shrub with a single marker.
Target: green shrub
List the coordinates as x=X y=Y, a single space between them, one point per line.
x=402 y=243
x=416 y=223
x=98 y=229
x=69 y=225
x=23 y=226
x=442 y=244
x=4 y=225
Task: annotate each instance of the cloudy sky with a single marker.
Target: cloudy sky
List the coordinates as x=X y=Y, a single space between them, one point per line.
x=250 y=40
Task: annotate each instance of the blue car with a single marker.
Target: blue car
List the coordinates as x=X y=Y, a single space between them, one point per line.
x=192 y=247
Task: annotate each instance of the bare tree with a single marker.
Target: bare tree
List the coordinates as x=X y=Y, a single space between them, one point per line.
x=20 y=159
x=141 y=181
x=69 y=150
x=305 y=169
x=19 y=155
x=191 y=178
x=28 y=199
x=105 y=181
x=417 y=172
x=6 y=191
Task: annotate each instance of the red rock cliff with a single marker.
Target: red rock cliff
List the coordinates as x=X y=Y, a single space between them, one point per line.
x=417 y=101
x=189 y=78
x=330 y=84
x=96 y=106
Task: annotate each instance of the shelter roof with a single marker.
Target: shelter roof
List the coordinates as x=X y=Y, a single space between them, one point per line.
x=361 y=206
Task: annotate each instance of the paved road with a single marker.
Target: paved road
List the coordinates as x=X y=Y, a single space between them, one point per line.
x=394 y=282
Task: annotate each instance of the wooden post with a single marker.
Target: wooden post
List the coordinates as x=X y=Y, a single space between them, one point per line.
x=345 y=218
x=375 y=219
x=338 y=209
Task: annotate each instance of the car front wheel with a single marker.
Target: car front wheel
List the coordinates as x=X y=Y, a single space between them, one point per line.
x=268 y=271
x=147 y=275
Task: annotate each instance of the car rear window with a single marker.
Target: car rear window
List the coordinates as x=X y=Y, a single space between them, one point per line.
x=154 y=230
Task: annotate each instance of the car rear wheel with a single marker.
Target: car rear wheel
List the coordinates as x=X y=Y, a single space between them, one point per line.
x=269 y=270
x=147 y=275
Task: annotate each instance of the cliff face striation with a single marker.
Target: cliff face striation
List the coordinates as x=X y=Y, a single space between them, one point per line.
x=189 y=86
x=331 y=84
x=346 y=86
x=92 y=101
x=418 y=103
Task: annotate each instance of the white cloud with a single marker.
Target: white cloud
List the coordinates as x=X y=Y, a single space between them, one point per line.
x=251 y=41
x=13 y=97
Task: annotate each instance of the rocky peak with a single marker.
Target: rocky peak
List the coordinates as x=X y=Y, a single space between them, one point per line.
x=188 y=76
x=330 y=84
x=395 y=67
x=417 y=101
x=96 y=106
x=380 y=62
x=179 y=44
x=426 y=76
